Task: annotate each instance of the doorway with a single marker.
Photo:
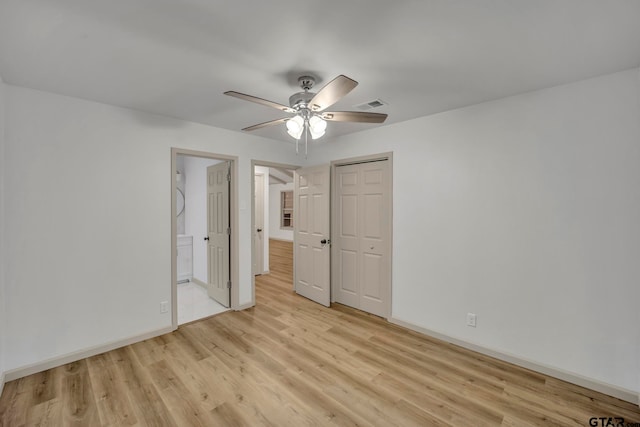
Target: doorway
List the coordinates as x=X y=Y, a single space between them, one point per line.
x=272 y=184
x=204 y=263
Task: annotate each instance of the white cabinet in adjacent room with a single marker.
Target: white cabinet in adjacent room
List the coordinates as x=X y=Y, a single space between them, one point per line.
x=185 y=258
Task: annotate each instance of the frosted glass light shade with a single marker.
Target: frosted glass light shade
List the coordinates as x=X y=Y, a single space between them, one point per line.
x=317 y=127
x=295 y=126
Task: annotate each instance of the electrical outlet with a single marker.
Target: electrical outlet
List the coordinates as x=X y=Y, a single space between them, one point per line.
x=471 y=320
x=164 y=306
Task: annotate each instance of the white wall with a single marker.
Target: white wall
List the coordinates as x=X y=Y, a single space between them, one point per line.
x=3 y=300
x=274 y=212
x=195 y=179
x=265 y=220
x=87 y=218
x=524 y=211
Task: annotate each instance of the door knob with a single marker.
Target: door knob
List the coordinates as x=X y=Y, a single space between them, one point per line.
x=259 y=230
x=206 y=238
x=325 y=241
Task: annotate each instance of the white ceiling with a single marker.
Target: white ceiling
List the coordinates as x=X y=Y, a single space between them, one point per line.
x=422 y=57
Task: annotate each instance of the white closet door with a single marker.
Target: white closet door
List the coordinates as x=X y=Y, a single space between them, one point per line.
x=363 y=246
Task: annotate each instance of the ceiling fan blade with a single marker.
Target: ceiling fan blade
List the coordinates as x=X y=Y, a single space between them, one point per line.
x=353 y=116
x=332 y=92
x=265 y=124
x=261 y=101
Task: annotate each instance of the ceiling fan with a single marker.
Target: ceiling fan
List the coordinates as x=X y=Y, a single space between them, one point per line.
x=308 y=108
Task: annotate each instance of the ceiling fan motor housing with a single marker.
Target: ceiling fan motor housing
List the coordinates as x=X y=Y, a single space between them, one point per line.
x=300 y=100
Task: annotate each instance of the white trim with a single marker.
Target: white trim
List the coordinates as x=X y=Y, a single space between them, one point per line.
x=204 y=285
x=280 y=239
x=234 y=220
x=245 y=306
x=2 y=381
x=14 y=374
x=609 y=389
x=199 y=282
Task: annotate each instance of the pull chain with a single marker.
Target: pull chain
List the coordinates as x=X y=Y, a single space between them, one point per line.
x=306 y=137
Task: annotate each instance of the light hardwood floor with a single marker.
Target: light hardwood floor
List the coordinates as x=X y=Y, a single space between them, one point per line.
x=290 y=362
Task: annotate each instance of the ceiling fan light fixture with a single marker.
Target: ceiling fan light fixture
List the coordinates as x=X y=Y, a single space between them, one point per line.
x=317 y=127
x=308 y=108
x=295 y=126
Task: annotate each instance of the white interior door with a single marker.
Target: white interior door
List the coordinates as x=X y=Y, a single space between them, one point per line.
x=258 y=229
x=363 y=237
x=311 y=255
x=218 y=232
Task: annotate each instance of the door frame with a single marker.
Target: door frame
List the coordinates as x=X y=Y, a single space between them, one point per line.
x=234 y=271
x=335 y=220
x=259 y=266
x=266 y=164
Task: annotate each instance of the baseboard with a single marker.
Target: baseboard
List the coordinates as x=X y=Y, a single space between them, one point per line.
x=280 y=240
x=244 y=306
x=2 y=381
x=14 y=374
x=609 y=389
x=204 y=285
x=199 y=282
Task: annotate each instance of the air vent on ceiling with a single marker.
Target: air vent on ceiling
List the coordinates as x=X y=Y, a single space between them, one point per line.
x=376 y=103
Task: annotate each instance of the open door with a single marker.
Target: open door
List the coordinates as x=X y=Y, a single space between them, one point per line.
x=258 y=229
x=218 y=232
x=311 y=253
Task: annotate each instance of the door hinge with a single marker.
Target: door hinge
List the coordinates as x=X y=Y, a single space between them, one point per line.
x=228 y=284
x=229 y=231
x=229 y=176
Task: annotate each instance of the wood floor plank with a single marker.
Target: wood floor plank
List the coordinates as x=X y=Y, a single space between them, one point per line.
x=143 y=394
x=149 y=352
x=439 y=404
x=291 y=362
x=45 y=414
x=196 y=378
x=44 y=387
x=264 y=399
x=185 y=408
x=78 y=400
x=114 y=407
x=226 y=414
x=328 y=410
x=16 y=400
